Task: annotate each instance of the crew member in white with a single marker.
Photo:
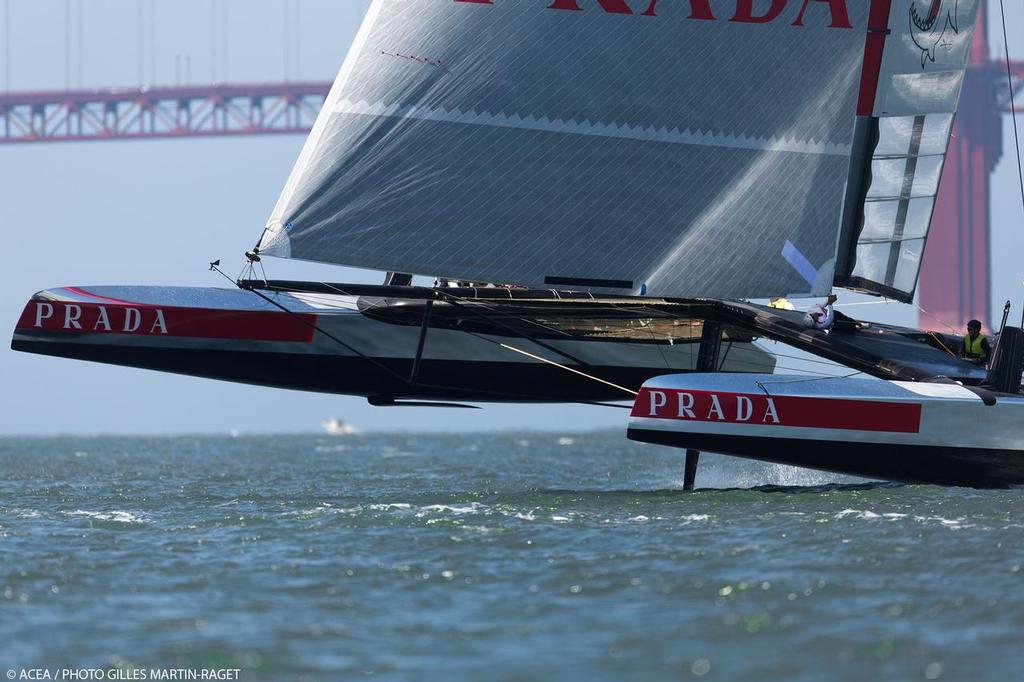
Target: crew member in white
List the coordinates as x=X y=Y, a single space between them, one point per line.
x=821 y=317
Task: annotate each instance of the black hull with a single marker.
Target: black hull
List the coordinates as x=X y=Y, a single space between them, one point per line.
x=352 y=345
x=947 y=466
x=437 y=380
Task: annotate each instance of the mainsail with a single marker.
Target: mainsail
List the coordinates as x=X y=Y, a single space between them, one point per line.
x=694 y=148
x=914 y=68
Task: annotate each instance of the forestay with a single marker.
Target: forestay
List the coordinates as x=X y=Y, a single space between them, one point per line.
x=919 y=76
x=686 y=147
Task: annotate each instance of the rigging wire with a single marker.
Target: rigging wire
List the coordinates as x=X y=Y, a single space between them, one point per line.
x=471 y=303
x=659 y=346
x=468 y=304
x=937 y=319
x=458 y=301
x=286 y=35
x=405 y=380
x=883 y=301
x=315 y=326
x=941 y=344
x=476 y=303
x=761 y=348
x=225 y=36
x=7 y=45
x=214 y=11
x=724 y=357
x=786 y=355
x=67 y=44
x=297 y=41
x=654 y=339
x=788 y=368
x=653 y=312
x=1013 y=109
x=569 y=369
x=152 y=42
x=454 y=300
x=141 y=35
x=762 y=384
x=81 y=43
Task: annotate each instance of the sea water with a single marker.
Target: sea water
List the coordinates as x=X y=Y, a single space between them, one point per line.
x=512 y=556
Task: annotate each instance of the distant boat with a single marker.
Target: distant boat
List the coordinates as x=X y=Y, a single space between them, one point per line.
x=337 y=427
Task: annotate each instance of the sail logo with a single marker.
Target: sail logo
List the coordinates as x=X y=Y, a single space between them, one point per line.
x=744 y=12
x=168 y=321
x=763 y=409
x=931 y=26
x=99 y=318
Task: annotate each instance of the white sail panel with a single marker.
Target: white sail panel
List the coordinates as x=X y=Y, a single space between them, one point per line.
x=919 y=81
x=689 y=148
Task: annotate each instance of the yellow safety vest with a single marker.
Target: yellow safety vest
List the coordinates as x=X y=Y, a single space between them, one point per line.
x=972 y=347
x=781 y=304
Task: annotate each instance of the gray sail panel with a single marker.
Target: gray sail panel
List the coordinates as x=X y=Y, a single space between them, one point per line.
x=922 y=70
x=519 y=142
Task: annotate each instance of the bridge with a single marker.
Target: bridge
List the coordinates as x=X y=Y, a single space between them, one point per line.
x=955 y=281
x=160 y=112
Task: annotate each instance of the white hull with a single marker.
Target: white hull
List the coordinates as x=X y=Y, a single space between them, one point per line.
x=928 y=432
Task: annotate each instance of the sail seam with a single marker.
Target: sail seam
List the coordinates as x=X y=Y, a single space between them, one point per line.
x=593 y=128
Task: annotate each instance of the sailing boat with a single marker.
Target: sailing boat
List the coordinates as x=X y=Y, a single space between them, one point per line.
x=623 y=173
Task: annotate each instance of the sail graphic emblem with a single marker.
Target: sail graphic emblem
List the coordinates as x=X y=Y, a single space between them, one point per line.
x=930 y=25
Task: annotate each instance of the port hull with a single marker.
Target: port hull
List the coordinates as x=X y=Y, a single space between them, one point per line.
x=345 y=344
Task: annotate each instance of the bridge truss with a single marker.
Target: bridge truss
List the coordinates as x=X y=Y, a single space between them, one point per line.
x=161 y=112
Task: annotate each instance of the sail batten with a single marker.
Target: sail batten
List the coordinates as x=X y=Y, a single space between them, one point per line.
x=516 y=142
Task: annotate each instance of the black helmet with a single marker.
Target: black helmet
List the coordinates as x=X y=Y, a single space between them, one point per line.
x=974 y=324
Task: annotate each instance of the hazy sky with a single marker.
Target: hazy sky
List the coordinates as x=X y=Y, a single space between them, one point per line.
x=156 y=212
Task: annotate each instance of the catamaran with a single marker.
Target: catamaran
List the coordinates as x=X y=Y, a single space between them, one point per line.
x=626 y=175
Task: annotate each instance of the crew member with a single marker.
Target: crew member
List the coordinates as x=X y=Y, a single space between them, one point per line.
x=821 y=317
x=780 y=303
x=975 y=348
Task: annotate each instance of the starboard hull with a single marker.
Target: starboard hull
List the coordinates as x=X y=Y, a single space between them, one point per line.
x=942 y=434
x=330 y=344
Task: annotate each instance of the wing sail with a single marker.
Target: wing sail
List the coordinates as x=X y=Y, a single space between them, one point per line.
x=685 y=148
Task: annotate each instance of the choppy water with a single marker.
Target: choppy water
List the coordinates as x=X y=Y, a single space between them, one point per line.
x=498 y=557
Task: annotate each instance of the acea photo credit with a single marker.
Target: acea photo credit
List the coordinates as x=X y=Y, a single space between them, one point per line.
x=123 y=674
x=512 y=339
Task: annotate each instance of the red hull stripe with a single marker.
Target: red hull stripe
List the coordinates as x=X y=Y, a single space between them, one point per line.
x=878 y=23
x=149 y=320
x=758 y=409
